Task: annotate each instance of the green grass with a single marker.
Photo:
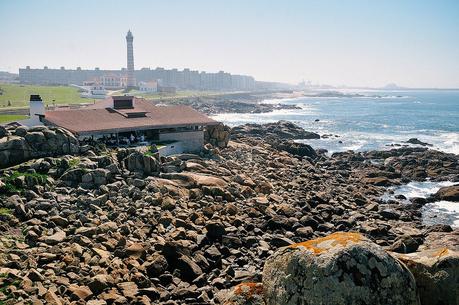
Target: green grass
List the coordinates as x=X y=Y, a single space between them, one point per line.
x=18 y=95
x=6 y=118
x=5 y=211
x=150 y=153
x=178 y=94
x=73 y=163
x=10 y=186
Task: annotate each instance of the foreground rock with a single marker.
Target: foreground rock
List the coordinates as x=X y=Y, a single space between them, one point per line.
x=185 y=228
x=436 y=273
x=342 y=268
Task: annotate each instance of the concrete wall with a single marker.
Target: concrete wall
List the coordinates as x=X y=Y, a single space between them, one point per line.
x=171 y=149
x=191 y=141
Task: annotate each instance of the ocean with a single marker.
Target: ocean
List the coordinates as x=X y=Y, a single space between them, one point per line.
x=377 y=120
x=371 y=121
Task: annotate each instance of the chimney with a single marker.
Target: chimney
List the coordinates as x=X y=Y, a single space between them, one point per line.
x=36 y=108
x=123 y=102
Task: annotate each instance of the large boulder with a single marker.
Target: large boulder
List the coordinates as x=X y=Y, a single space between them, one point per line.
x=13 y=150
x=217 y=135
x=73 y=176
x=437 y=275
x=192 y=180
x=36 y=142
x=450 y=193
x=3 y=132
x=295 y=148
x=138 y=162
x=342 y=268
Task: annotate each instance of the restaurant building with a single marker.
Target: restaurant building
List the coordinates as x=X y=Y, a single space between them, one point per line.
x=118 y=120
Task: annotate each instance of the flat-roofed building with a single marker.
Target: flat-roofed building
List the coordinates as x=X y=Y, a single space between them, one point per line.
x=126 y=116
x=151 y=86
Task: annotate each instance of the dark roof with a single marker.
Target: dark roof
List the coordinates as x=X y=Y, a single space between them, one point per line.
x=100 y=117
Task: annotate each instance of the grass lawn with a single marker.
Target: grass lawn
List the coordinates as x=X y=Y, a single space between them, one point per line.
x=19 y=95
x=178 y=94
x=6 y=118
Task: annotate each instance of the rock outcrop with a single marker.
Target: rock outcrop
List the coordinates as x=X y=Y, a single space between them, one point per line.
x=416 y=141
x=450 y=193
x=295 y=148
x=281 y=129
x=217 y=135
x=280 y=136
x=19 y=144
x=342 y=268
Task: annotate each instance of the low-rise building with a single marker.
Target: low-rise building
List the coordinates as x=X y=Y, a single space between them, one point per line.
x=127 y=120
x=113 y=81
x=151 y=86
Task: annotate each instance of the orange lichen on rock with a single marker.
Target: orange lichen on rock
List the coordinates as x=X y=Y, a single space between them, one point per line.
x=248 y=290
x=441 y=252
x=412 y=259
x=322 y=244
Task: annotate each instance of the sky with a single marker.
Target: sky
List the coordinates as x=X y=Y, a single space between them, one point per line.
x=413 y=43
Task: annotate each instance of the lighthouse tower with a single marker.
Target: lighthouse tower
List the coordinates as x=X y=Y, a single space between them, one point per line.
x=130 y=60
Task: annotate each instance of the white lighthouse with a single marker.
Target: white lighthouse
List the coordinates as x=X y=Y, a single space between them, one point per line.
x=130 y=60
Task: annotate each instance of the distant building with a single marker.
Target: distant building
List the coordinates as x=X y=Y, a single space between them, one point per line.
x=113 y=81
x=129 y=77
x=185 y=79
x=151 y=86
x=95 y=91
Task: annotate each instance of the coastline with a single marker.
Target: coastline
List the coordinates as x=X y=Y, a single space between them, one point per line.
x=200 y=224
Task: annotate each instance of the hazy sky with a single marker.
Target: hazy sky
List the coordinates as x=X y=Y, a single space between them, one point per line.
x=371 y=43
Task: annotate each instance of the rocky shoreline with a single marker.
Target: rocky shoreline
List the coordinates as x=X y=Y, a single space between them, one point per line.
x=120 y=227
x=235 y=103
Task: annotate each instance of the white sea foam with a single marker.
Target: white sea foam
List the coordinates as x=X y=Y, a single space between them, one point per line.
x=281 y=100
x=417 y=189
x=233 y=119
x=445 y=212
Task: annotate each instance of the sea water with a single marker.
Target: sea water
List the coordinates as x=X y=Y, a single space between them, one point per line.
x=445 y=212
x=377 y=120
x=372 y=120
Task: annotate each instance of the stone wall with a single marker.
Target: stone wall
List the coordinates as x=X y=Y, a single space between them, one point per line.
x=19 y=144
